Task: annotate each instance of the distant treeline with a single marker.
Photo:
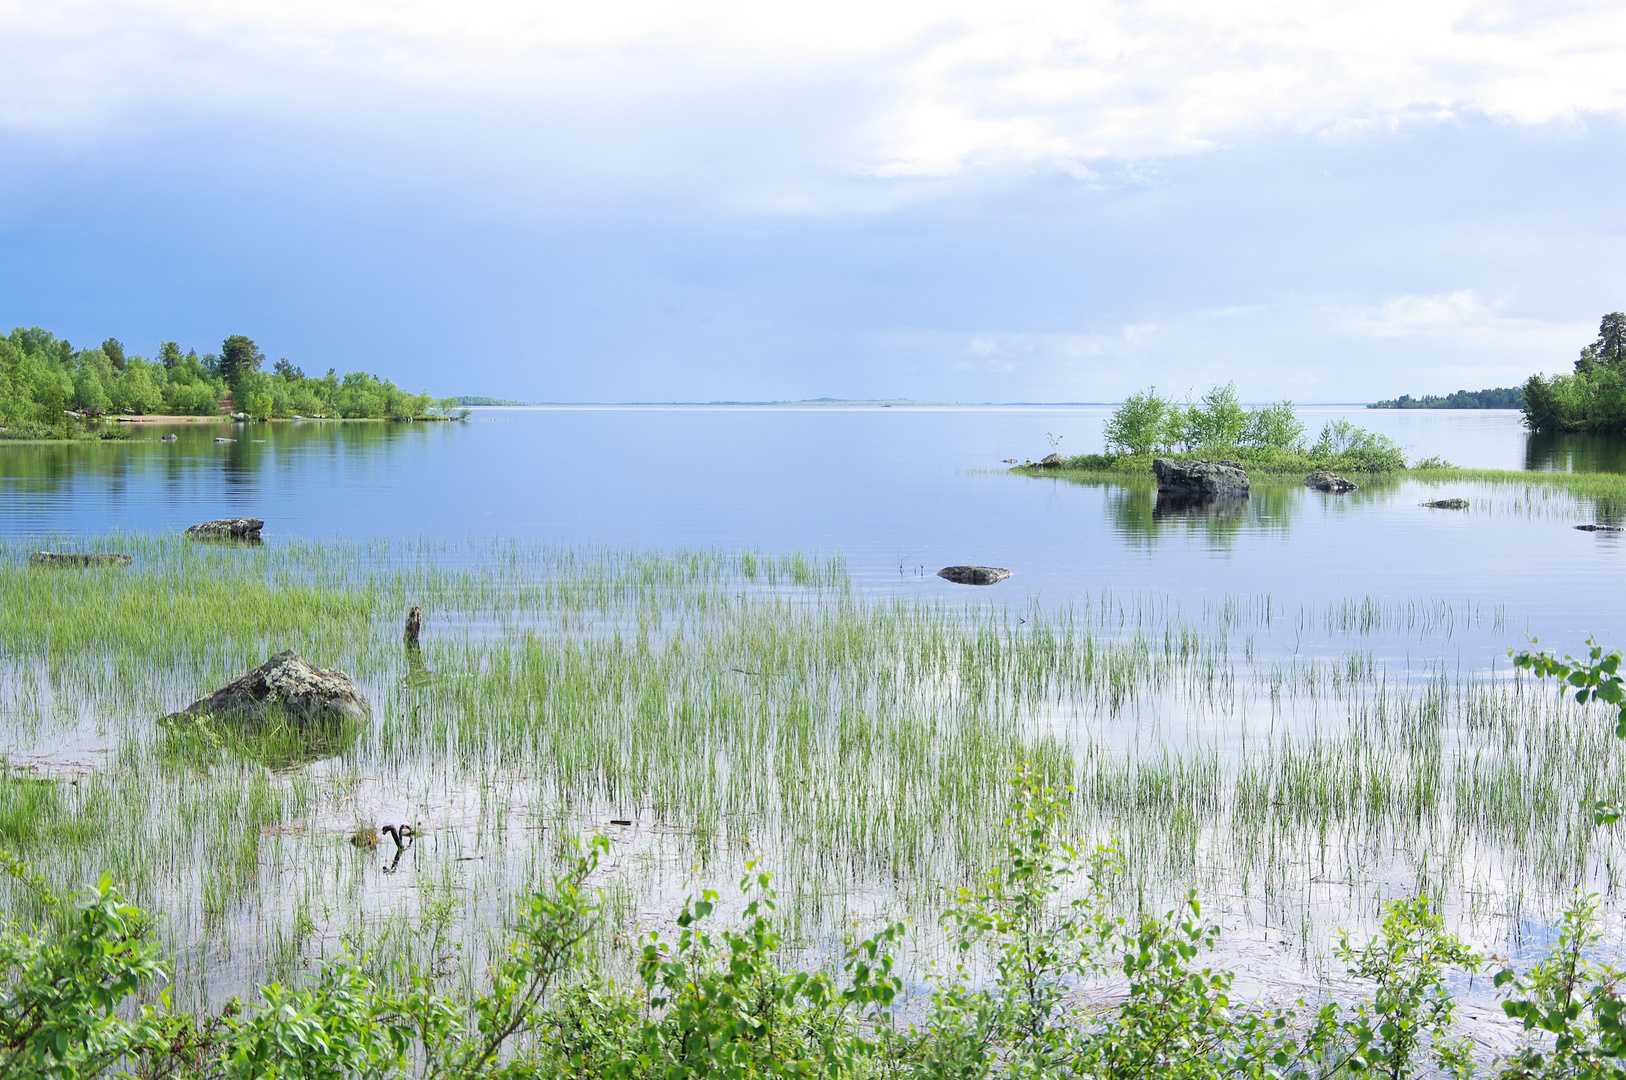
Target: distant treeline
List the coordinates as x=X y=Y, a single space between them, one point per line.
x=47 y=386
x=1499 y=397
x=478 y=399
x=1594 y=397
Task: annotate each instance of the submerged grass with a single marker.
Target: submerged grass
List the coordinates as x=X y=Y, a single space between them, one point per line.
x=736 y=704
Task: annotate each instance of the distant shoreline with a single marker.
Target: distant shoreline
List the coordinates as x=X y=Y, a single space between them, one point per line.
x=881 y=403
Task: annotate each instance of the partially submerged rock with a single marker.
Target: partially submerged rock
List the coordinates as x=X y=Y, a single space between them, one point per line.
x=287 y=683
x=227 y=529
x=974 y=575
x=1601 y=528
x=79 y=558
x=171 y=437
x=1447 y=504
x=1200 y=477
x=1328 y=481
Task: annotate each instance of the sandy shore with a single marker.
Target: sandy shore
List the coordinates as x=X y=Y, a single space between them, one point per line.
x=170 y=419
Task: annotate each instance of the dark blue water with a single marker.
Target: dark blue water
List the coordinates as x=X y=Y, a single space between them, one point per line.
x=899 y=492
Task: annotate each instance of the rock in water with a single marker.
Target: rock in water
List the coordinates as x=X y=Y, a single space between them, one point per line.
x=1326 y=481
x=974 y=575
x=305 y=693
x=78 y=558
x=227 y=529
x=1600 y=528
x=1447 y=504
x=171 y=437
x=1200 y=477
x=1051 y=461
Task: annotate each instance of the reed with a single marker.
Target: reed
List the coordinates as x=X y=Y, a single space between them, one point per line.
x=731 y=704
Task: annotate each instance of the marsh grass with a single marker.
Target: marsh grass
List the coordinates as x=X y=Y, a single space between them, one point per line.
x=1285 y=759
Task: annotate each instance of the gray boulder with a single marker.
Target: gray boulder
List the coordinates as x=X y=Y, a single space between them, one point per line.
x=171 y=437
x=1327 y=481
x=1200 y=477
x=227 y=529
x=974 y=575
x=286 y=682
x=79 y=558
x=1050 y=461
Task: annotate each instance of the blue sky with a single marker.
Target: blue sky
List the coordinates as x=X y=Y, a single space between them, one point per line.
x=1021 y=201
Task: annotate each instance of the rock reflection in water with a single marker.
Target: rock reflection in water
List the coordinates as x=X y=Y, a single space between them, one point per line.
x=1219 y=507
x=277 y=741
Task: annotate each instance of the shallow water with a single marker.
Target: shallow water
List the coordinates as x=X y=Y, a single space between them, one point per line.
x=899 y=492
x=1289 y=594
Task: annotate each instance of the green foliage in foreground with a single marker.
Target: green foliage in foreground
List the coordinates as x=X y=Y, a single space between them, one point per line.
x=718 y=1000
x=1597 y=678
x=1497 y=397
x=1594 y=397
x=43 y=379
x=1269 y=439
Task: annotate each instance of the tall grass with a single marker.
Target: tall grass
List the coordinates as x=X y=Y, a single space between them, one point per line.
x=736 y=703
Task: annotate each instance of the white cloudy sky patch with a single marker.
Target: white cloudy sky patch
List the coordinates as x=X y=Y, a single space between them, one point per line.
x=718 y=200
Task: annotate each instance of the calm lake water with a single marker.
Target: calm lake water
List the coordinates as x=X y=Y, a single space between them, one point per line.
x=899 y=492
x=1393 y=605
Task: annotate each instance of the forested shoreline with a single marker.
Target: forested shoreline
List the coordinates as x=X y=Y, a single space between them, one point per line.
x=49 y=389
x=1593 y=398
x=1496 y=397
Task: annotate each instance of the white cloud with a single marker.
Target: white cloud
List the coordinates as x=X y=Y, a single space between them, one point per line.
x=1463 y=318
x=907 y=88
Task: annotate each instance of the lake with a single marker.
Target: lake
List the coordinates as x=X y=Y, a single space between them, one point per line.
x=723 y=625
x=899 y=492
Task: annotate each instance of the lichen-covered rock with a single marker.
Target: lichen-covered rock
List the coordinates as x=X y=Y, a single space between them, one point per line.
x=227 y=529
x=302 y=692
x=974 y=575
x=1200 y=477
x=79 y=558
x=1327 y=481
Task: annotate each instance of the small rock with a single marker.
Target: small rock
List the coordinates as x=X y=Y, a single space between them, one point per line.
x=227 y=529
x=304 y=692
x=1009 y=461
x=219 y=439
x=1447 y=504
x=1050 y=461
x=1200 y=477
x=171 y=437
x=79 y=559
x=1326 y=481
x=974 y=575
x=1600 y=528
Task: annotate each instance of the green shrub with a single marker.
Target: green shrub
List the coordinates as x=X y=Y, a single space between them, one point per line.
x=718 y=1000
